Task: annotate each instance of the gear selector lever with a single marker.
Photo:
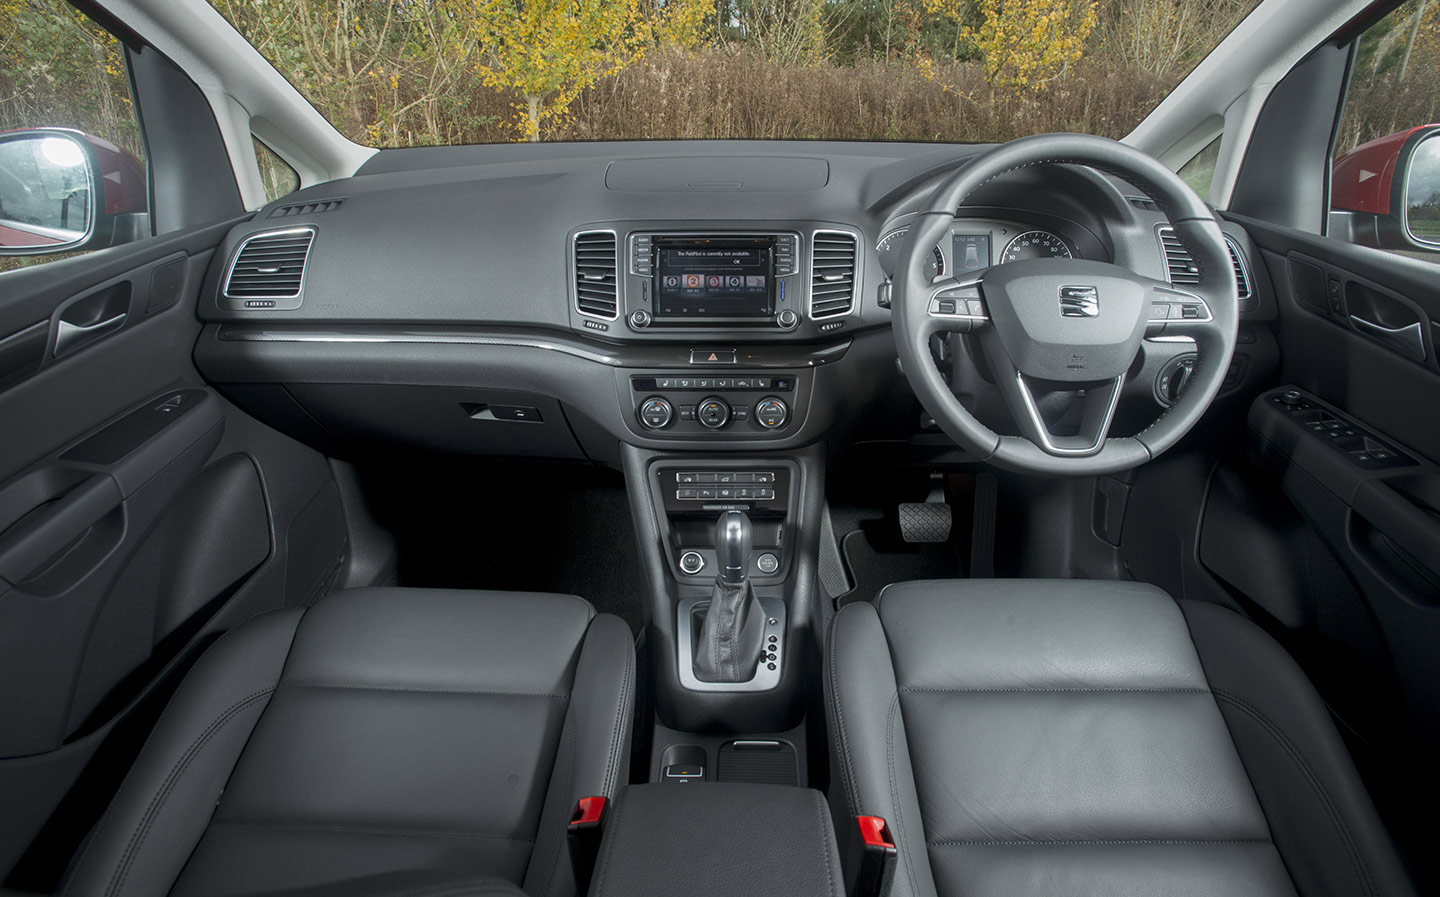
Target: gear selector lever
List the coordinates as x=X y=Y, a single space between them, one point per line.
x=732 y=635
x=732 y=546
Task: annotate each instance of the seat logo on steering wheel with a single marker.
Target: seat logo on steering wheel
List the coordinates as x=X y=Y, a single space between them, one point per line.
x=1079 y=302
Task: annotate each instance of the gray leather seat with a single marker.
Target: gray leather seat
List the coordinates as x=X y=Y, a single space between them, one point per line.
x=384 y=741
x=1073 y=738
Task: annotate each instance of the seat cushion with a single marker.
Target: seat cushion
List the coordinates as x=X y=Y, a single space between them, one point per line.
x=381 y=731
x=1038 y=738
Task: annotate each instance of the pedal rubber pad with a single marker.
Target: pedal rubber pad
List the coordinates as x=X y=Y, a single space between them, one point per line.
x=922 y=521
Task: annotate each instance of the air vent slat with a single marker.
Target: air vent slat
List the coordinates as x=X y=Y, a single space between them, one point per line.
x=832 y=274
x=270 y=266
x=1181 y=270
x=597 y=292
x=307 y=208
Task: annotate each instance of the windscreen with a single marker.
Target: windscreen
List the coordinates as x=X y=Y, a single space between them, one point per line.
x=392 y=73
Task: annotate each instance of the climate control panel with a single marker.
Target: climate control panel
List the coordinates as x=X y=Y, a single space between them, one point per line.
x=731 y=404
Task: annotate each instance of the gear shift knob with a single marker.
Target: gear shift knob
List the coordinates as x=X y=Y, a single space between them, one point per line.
x=732 y=546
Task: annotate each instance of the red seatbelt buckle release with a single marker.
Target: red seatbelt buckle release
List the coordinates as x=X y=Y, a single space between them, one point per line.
x=583 y=834
x=871 y=857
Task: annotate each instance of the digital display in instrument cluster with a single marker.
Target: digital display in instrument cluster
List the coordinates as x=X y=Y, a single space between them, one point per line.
x=972 y=252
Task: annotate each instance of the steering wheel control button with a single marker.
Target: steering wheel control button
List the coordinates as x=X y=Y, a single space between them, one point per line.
x=959 y=302
x=772 y=413
x=712 y=356
x=656 y=413
x=713 y=412
x=767 y=563
x=691 y=563
x=1188 y=309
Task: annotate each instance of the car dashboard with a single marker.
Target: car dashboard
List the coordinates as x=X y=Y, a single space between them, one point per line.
x=554 y=301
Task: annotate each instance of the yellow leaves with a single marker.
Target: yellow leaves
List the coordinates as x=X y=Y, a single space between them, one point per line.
x=1025 y=44
x=548 y=51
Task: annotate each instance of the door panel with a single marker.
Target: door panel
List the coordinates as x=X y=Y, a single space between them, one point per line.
x=140 y=515
x=1332 y=539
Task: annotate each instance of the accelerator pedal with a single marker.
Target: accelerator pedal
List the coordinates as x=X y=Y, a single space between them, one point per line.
x=928 y=520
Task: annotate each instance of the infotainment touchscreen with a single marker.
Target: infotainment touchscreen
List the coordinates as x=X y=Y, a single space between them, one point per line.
x=729 y=277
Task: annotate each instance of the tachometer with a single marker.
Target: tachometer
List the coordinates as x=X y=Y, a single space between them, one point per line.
x=889 y=250
x=1035 y=244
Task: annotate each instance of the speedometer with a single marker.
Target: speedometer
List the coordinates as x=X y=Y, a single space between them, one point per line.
x=889 y=250
x=1035 y=244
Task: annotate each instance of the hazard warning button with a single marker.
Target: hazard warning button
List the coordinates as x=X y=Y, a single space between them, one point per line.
x=712 y=356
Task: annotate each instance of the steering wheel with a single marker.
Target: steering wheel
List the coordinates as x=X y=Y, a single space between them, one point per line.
x=1065 y=324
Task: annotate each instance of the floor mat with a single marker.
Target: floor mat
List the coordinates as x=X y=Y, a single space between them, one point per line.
x=522 y=528
x=875 y=561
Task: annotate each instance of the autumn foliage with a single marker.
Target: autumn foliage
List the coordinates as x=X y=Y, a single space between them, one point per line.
x=418 y=72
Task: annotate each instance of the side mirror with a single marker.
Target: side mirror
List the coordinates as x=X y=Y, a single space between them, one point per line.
x=1422 y=192
x=64 y=191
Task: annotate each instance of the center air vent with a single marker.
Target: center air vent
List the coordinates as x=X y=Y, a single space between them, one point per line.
x=1181 y=270
x=596 y=288
x=832 y=274
x=270 y=266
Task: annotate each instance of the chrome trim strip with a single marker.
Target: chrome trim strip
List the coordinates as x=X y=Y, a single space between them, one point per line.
x=468 y=339
x=1045 y=437
x=575 y=274
x=310 y=229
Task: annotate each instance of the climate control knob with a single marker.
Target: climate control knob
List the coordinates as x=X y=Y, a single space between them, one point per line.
x=772 y=412
x=656 y=413
x=713 y=412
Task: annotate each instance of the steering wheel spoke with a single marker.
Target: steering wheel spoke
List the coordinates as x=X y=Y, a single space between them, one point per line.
x=1097 y=411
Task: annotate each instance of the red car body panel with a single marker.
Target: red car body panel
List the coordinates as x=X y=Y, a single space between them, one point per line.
x=10 y=236
x=1361 y=180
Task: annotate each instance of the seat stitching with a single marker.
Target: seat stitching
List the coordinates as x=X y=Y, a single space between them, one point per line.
x=172 y=777
x=822 y=824
x=1023 y=690
x=338 y=686
x=895 y=788
x=852 y=788
x=366 y=830
x=568 y=790
x=1065 y=842
x=616 y=732
x=1357 y=859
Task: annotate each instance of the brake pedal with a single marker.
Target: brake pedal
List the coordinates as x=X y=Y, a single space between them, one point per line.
x=928 y=520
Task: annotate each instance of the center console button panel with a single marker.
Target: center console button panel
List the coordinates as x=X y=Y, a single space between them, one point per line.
x=703 y=404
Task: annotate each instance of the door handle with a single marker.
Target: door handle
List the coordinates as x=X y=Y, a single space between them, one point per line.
x=26 y=546
x=1408 y=340
x=69 y=337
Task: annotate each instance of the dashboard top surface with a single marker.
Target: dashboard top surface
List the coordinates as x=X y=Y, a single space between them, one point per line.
x=485 y=235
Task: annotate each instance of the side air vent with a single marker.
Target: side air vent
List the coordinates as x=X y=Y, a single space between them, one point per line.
x=832 y=274
x=270 y=265
x=1180 y=268
x=307 y=208
x=596 y=288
